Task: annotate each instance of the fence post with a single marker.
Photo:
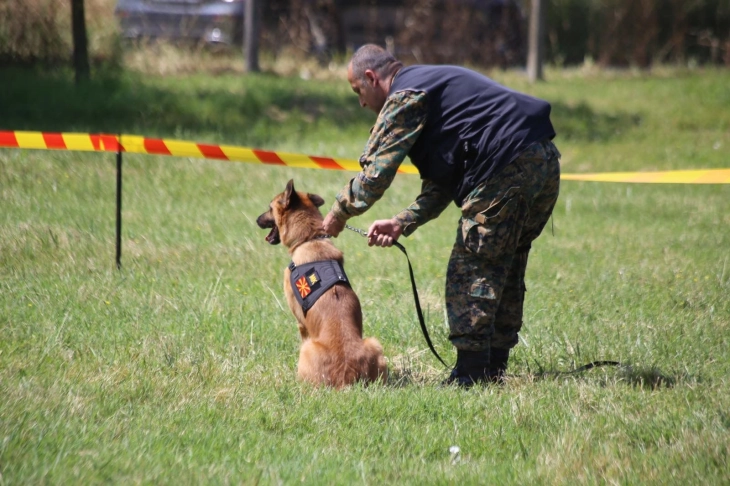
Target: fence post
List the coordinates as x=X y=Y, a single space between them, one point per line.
x=119 y=204
x=251 y=32
x=536 y=40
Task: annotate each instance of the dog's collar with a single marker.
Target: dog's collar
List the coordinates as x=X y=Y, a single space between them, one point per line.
x=310 y=280
x=325 y=236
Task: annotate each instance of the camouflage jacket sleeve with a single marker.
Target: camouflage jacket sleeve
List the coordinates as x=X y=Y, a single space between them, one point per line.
x=397 y=128
x=428 y=205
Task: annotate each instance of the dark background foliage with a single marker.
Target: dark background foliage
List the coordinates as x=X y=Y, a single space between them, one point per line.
x=479 y=32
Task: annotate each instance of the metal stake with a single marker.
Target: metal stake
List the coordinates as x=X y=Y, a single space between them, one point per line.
x=119 y=204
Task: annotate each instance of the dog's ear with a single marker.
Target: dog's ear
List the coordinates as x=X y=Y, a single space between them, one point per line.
x=316 y=200
x=290 y=194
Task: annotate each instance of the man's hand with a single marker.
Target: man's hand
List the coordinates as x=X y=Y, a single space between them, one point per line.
x=384 y=232
x=331 y=225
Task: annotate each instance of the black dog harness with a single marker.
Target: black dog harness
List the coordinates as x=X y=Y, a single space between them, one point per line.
x=310 y=280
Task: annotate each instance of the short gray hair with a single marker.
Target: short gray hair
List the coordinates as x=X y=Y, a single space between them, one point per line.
x=375 y=58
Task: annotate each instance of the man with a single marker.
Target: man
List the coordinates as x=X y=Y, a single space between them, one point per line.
x=481 y=145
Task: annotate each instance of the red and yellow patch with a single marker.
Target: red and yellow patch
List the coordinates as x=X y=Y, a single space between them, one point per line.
x=303 y=287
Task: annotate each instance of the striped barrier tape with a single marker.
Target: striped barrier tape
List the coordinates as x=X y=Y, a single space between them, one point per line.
x=180 y=148
x=699 y=176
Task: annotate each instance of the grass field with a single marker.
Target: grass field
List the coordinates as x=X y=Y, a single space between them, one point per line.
x=180 y=367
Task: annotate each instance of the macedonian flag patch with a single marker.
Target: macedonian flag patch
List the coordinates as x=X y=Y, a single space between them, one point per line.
x=303 y=287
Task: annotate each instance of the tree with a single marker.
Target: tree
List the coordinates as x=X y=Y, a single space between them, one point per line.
x=81 y=50
x=536 y=40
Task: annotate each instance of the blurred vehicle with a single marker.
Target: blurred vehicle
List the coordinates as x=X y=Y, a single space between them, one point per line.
x=210 y=21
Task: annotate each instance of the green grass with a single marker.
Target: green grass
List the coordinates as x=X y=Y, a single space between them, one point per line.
x=180 y=368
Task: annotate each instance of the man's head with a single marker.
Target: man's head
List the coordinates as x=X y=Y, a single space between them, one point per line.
x=370 y=73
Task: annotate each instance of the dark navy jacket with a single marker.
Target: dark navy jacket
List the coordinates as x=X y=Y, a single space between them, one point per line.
x=475 y=126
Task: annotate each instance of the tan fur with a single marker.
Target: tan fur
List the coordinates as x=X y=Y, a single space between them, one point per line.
x=333 y=351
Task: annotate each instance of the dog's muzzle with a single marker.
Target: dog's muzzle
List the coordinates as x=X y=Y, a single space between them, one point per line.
x=264 y=221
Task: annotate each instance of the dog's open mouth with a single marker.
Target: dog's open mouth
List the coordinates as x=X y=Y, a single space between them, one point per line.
x=273 y=236
x=266 y=221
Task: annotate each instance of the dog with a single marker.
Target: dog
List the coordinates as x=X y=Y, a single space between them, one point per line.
x=333 y=351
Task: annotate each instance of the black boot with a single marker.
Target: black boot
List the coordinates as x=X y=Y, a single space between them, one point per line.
x=471 y=367
x=497 y=364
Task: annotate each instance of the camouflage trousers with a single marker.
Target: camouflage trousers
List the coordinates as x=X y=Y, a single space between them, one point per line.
x=485 y=280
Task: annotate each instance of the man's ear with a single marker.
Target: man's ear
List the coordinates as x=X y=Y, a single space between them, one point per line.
x=371 y=76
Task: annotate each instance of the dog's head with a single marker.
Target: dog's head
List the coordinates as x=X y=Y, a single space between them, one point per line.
x=287 y=207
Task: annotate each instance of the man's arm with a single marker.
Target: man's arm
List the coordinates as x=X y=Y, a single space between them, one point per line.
x=428 y=205
x=397 y=128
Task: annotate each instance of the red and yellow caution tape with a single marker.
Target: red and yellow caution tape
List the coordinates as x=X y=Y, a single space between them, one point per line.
x=179 y=148
x=158 y=146
x=699 y=176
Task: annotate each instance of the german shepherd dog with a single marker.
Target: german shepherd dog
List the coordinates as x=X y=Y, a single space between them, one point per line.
x=333 y=351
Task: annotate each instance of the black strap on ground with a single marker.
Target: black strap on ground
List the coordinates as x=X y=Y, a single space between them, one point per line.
x=421 y=320
x=581 y=369
x=592 y=364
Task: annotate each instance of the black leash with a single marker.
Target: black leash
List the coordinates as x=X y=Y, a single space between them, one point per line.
x=424 y=329
x=581 y=369
x=421 y=320
x=593 y=364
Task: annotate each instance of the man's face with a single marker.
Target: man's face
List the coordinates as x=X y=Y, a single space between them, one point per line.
x=369 y=90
